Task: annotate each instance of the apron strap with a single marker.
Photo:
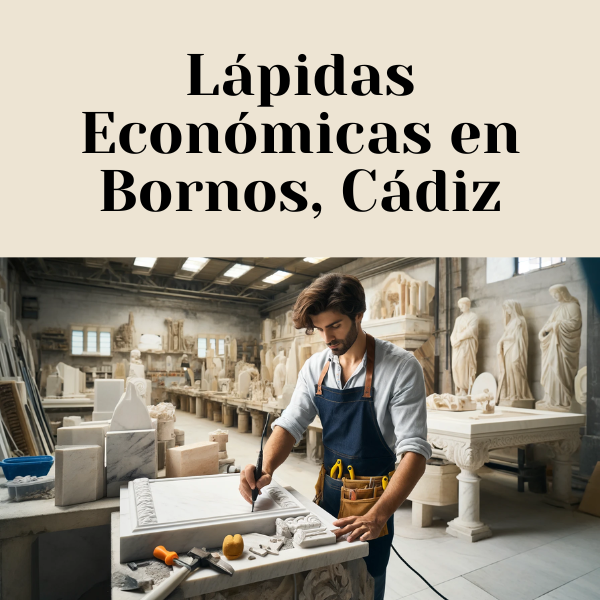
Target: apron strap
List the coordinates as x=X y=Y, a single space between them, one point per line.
x=322 y=377
x=370 y=365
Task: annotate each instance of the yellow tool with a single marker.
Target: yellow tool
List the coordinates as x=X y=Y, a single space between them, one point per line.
x=351 y=471
x=337 y=467
x=384 y=482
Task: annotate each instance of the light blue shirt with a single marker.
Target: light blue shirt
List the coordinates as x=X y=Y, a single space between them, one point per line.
x=399 y=396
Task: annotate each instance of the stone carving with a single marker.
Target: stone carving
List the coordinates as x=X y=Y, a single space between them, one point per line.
x=513 y=389
x=487 y=399
x=464 y=340
x=288 y=527
x=289 y=323
x=331 y=582
x=123 y=340
x=291 y=367
x=450 y=402
x=560 y=341
x=282 y=499
x=144 y=503
x=401 y=295
x=175 y=341
x=188 y=343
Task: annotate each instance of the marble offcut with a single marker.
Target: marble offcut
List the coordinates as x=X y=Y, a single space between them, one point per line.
x=129 y=455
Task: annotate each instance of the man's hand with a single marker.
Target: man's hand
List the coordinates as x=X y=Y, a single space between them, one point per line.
x=363 y=528
x=247 y=483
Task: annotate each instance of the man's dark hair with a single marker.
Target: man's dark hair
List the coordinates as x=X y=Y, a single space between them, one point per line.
x=340 y=293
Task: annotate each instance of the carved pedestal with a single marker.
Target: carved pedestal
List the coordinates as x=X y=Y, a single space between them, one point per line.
x=469 y=457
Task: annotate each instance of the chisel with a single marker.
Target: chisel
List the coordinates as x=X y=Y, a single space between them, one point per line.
x=258 y=469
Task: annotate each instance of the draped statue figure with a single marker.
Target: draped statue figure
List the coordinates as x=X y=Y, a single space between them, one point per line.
x=464 y=348
x=560 y=340
x=513 y=388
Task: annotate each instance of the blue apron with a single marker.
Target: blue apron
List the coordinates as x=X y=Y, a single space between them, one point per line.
x=351 y=433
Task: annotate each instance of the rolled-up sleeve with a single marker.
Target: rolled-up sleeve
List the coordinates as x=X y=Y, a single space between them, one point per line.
x=301 y=411
x=408 y=410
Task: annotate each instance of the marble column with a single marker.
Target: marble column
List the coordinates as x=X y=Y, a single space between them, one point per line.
x=403 y=298
x=199 y=407
x=562 y=452
x=469 y=457
x=414 y=297
x=193 y=404
x=209 y=410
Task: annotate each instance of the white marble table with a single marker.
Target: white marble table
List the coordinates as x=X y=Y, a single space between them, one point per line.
x=466 y=439
x=247 y=571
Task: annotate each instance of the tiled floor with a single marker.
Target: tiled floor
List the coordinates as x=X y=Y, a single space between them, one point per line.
x=536 y=551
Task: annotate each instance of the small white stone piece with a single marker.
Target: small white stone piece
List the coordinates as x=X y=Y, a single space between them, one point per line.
x=311 y=538
x=258 y=551
x=71 y=421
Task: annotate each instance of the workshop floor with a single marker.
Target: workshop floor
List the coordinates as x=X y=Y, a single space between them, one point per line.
x=536 y=551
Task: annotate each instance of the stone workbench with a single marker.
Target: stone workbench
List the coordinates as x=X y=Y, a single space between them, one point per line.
x=289 y=562
x=21 y=523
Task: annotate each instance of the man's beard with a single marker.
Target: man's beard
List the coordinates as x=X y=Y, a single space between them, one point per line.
x=347 y=342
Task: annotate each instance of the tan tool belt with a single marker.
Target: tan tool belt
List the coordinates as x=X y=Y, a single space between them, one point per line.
x=358 y=495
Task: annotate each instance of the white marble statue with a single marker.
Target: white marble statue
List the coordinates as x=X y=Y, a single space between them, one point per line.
x=512 y=358
x=291 y=366
x=464 y=340
x=375 y=306
x=136 y=368
x=279 y=377
x=560 y=341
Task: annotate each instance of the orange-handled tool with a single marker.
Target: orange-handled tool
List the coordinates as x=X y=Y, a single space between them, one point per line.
x=165 y=555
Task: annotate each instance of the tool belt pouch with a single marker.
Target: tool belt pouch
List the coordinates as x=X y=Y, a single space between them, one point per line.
x=359 y=508
x=366 y=497
x=319 y=486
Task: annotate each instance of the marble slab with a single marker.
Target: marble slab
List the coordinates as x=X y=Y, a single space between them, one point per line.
x=107 y=393
x=196 y=511
x=129 y=455
x=79 y=474
x=131 y=413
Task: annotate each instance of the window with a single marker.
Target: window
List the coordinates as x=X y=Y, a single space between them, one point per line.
x=91 y=340
x=526 y=265
x=77 y=341
x=217 y=343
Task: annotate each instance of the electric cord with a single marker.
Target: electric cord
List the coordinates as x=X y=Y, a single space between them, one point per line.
x=417 y=573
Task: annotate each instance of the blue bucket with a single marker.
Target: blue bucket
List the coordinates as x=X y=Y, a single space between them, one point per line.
x=26 y=465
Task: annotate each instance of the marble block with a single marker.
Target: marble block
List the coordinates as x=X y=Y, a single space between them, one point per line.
x=79 y=474
x=129 y=455
x=438 y=486
x=181 y=513
x=131 y=413
x=71 y=421
x=222 y=455
x=107 y=393
x=161 y=453
x=82 y=435
x=194 y=459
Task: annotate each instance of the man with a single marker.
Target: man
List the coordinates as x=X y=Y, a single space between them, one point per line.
x=370 y=397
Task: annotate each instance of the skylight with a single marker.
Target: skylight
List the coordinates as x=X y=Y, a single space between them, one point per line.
x=277 y=277
x=315 y=261
x=194 y=264
x=237 y=270
x=147 y=263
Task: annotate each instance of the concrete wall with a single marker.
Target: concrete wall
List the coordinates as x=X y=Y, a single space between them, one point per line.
x=531 y=290
x=63 y=306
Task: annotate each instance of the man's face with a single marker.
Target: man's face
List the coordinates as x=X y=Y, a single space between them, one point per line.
x=338 y=331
